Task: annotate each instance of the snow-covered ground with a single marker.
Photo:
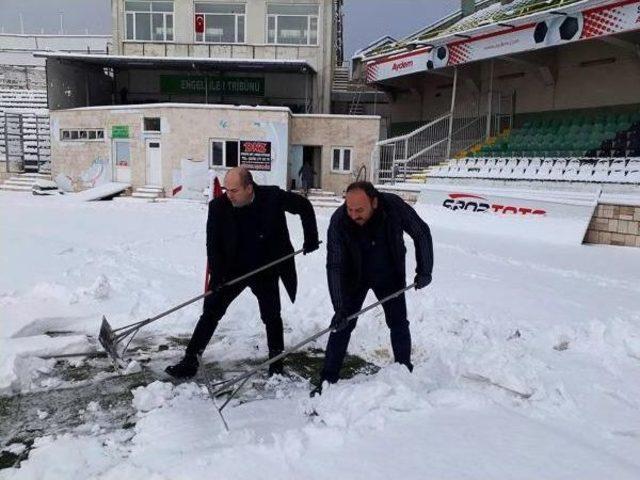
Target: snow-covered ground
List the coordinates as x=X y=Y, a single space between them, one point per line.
x=527 y=356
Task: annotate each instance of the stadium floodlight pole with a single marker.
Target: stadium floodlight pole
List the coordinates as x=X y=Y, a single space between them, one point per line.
x=453 y=107
x=490 y=101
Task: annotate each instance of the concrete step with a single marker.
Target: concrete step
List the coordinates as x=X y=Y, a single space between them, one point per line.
x=138 y=194
x=15 y=188
x=148 y=189
x=336 y=200
x=19 y=182
x=34 y=175
x=326 y=204
x=316 y=192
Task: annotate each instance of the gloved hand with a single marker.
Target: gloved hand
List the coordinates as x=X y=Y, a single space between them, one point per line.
x=422 y=281
x=339 y=321
x=309 y=247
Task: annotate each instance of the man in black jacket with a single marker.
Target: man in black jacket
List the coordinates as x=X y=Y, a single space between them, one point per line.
x=365 y=250
x=247 y=229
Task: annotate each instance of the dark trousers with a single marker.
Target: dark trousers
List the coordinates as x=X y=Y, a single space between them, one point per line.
x=395 y=313
x=266 y=290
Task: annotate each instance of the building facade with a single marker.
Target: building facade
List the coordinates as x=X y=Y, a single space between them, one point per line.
x=245 y=30
x=179 y=146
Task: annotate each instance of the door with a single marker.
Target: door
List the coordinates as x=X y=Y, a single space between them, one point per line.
x=295 y=163
x=154 y=162
x=122 y=160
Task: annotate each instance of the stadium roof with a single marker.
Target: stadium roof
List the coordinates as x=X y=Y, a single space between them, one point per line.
x=489 y=13
x=237 y=64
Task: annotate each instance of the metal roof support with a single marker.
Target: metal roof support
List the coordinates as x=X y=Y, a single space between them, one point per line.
x=453 y=106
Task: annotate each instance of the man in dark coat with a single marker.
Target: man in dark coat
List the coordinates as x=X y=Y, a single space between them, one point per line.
x=247 y=229
x=365 y=251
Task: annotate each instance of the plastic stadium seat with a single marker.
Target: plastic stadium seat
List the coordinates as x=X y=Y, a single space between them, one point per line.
x=601 y=171
x=531 y=172
x=506 y=172
x=535 y=162
x=471 y=162
x=545 y=169
x=485 y=172
x=617 y=171
x=456 y=171
x=571 y=172
x=513 y=163
x=441 y=171
x=519 y=172
x=500 y=163
x=557 y=171
x=585 y=173
x=633 y=175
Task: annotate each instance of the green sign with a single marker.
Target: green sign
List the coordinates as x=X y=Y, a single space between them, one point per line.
x=120 y=131
x=199 y=85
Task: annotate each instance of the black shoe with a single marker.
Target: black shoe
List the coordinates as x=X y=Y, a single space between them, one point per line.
x=276 y=369
x=185 y=368
x=316 y=390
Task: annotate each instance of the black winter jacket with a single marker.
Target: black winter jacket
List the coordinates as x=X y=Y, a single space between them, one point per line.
x=271 y=203
x=344 y=262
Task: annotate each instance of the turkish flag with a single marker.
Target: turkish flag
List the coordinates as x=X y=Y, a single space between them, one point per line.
x=199 y=23
x=217 y=192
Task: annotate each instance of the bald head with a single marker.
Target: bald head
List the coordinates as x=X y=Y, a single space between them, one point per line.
x=238 y=183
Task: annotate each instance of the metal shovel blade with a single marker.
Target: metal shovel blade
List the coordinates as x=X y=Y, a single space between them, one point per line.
x=107 y=339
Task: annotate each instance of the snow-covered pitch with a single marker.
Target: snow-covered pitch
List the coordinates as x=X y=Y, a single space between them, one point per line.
x=527 y=356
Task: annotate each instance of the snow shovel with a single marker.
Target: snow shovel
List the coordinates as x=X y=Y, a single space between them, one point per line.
x=110 y=337
x=224 y=386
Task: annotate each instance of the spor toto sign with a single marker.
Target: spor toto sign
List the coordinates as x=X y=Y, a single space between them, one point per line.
x=476 y=203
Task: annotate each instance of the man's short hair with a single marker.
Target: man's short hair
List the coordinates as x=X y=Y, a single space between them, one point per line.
x=246 y=178
x=366 y=187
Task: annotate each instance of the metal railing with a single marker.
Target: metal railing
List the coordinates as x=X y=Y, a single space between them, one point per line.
x=394 y=154
x=396 y=158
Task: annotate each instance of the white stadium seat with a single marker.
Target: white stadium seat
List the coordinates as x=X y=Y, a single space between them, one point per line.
x=545 y=169
x=521 y=170
x=633 y=175
x=617 y=171
x=572 y=171
x=585 y=174
x=485 y=172
x=557 y=171
x=601 y=171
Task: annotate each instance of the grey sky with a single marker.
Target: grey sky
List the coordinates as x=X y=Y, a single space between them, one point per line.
x=365 y=20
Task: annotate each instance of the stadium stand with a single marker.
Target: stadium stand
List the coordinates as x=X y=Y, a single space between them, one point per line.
x=553 y=147
x=611 y=135
x=25 y=113
x=625 y=170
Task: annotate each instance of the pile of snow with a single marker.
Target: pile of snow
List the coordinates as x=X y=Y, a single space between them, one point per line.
x=526 y=356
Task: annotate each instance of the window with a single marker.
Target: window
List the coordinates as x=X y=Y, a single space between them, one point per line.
x=292 y=24
x=341 y=160
x=152 y=124
x=220 y=22
x=224 y=153
x=81 y=135
x=150 y=21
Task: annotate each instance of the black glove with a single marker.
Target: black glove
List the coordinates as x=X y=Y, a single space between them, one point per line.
x=339 y=321
x=422 y=281
x=309 y=247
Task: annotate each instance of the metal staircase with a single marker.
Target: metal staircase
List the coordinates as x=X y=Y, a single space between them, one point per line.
x=397 y=159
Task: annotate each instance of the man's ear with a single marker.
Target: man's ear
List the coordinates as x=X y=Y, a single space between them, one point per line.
x=374 y=203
